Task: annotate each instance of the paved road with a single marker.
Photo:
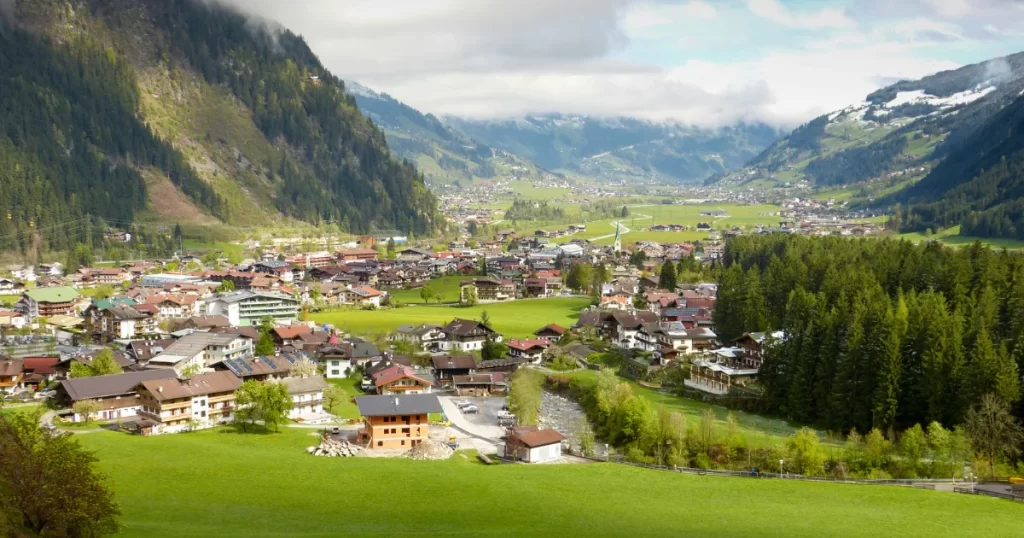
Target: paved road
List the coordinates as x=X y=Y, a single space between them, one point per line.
x=623 y=230
x=475 y=427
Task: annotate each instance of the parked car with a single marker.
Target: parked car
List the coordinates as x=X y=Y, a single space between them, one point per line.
x=471 y=409
x=462 y=403
x=335 y=430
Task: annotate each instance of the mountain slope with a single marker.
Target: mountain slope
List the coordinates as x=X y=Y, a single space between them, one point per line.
x=619 y=148
x=980 y=185
x=200 y=114
x=441 y=153
x=897 y=133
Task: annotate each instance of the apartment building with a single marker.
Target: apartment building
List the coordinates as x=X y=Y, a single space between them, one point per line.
x=176 y=405
x=249 y=308
x=202 y=350
x=48 y=302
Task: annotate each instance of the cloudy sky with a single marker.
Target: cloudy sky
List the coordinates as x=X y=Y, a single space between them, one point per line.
x=705 y=62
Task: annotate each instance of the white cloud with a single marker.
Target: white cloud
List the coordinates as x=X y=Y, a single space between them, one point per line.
x=493 y=58
x=657 y=19
x=775 y=11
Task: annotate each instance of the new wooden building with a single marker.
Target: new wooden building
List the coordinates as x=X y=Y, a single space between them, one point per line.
x=396 y=421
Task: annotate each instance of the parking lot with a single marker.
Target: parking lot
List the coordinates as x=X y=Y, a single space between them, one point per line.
x=489 y=408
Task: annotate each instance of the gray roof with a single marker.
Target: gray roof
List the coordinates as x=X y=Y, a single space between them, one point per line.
x=407 y=404
x=239 y=296
x=191 y=345
x=298 y=385
x=111 y=385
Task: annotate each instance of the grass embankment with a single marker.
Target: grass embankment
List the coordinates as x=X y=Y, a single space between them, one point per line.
x=346 y=408
x=9 y=300
x=516 y=319
x=448 y=288
x=756 y=429
x=220 y=483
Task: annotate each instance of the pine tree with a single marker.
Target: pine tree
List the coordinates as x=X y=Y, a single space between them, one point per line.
x=667 y=279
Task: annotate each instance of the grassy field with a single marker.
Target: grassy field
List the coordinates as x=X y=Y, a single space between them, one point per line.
x=346 y=408
x=9 y=300
x=228 y=249
x=220 y=483
x=951 y=236
x=447 y=287
x=642 y=217
x=517 y=319
x=758 y=430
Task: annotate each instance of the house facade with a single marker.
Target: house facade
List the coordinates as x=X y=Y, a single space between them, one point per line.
x=49 y=302
x=248 y=308
x=307 y=394
x=466 y=335
x=396 y=422
x=177 y=405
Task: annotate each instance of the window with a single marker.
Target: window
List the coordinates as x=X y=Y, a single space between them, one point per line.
x=403 y=442
x=380 y=443
x=203 y=414
x=405 y=419
x=335 y=372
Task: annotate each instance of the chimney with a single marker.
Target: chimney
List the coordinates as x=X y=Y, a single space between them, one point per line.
x=160 y=388
x=396 y=402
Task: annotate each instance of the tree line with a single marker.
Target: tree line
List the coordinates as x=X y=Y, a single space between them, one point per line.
x=877 y=333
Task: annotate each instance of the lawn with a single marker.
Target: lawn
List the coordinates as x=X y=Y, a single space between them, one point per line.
x=642 y=217
x=220 y=483
x=9 y=300
x=516 y=319
x=347 y=408
x=448 y=287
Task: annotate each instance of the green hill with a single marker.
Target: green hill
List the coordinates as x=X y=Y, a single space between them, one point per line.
x=178 y=110
x=219 y=483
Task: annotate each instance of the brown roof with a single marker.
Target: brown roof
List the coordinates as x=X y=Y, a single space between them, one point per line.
x=110 y=385
x=289 y=333
x=450 y=362
x=496 y=378
x=170 y=389
x=41 y=365
x=390 y=375
x=464 y=326
x=553 y=327
x=10 y=367
x=541 y=438
x=210 y=321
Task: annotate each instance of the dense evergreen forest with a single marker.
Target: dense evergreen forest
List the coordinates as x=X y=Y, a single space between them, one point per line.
x=74 y=143
x=980 y=185
x=878 y=333
x=71 y=143
x=354 y=180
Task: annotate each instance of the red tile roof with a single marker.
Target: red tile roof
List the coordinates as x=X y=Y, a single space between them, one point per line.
x=41 y=365
x=396 y=372
x=524 y=345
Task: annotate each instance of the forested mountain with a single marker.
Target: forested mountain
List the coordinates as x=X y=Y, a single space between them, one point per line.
x=895 y=135
x=182 y=110
x=877 y=333
x=619 y=148
x=442 y=154
x=979 y=186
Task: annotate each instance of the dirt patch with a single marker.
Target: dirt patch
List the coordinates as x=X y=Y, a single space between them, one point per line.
x=168 y=202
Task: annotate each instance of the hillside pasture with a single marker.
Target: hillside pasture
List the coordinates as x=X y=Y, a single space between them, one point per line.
x=222 y=483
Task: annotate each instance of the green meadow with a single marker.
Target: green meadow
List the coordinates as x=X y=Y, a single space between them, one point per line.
x=222 y=483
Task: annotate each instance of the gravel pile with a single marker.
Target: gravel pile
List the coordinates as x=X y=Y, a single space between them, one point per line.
x=430 y=450
x=334 y=449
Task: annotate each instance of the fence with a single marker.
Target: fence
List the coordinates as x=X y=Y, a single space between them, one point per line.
x=989 y=493
x=928 y=483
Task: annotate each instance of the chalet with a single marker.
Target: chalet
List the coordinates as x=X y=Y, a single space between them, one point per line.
x=446 y=367
x=532 y=350
x=39 y=370
x=401 y=379
x=551 y=332
x=466 y=335
x=396 y=422
x=307 y=394
x=425 y=335
x=533 y=445
x=11 y=373
x=175 y=306
x=116 y=394
x=753 y=345
x=624 y=327
x=120 y=322
x=488 y=289
x=674 y=337
x=480 y=385
x=362 y=295
x=290 y=335
x=177 y=405
x=7 y=285
x=721 y=370
x=339 y=358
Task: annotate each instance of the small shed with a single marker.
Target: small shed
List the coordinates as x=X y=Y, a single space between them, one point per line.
x=533 y=445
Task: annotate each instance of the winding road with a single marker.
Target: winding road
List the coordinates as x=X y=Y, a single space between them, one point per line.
x=623 y=230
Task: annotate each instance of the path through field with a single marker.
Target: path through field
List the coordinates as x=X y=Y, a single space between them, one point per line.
x=623 y=230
